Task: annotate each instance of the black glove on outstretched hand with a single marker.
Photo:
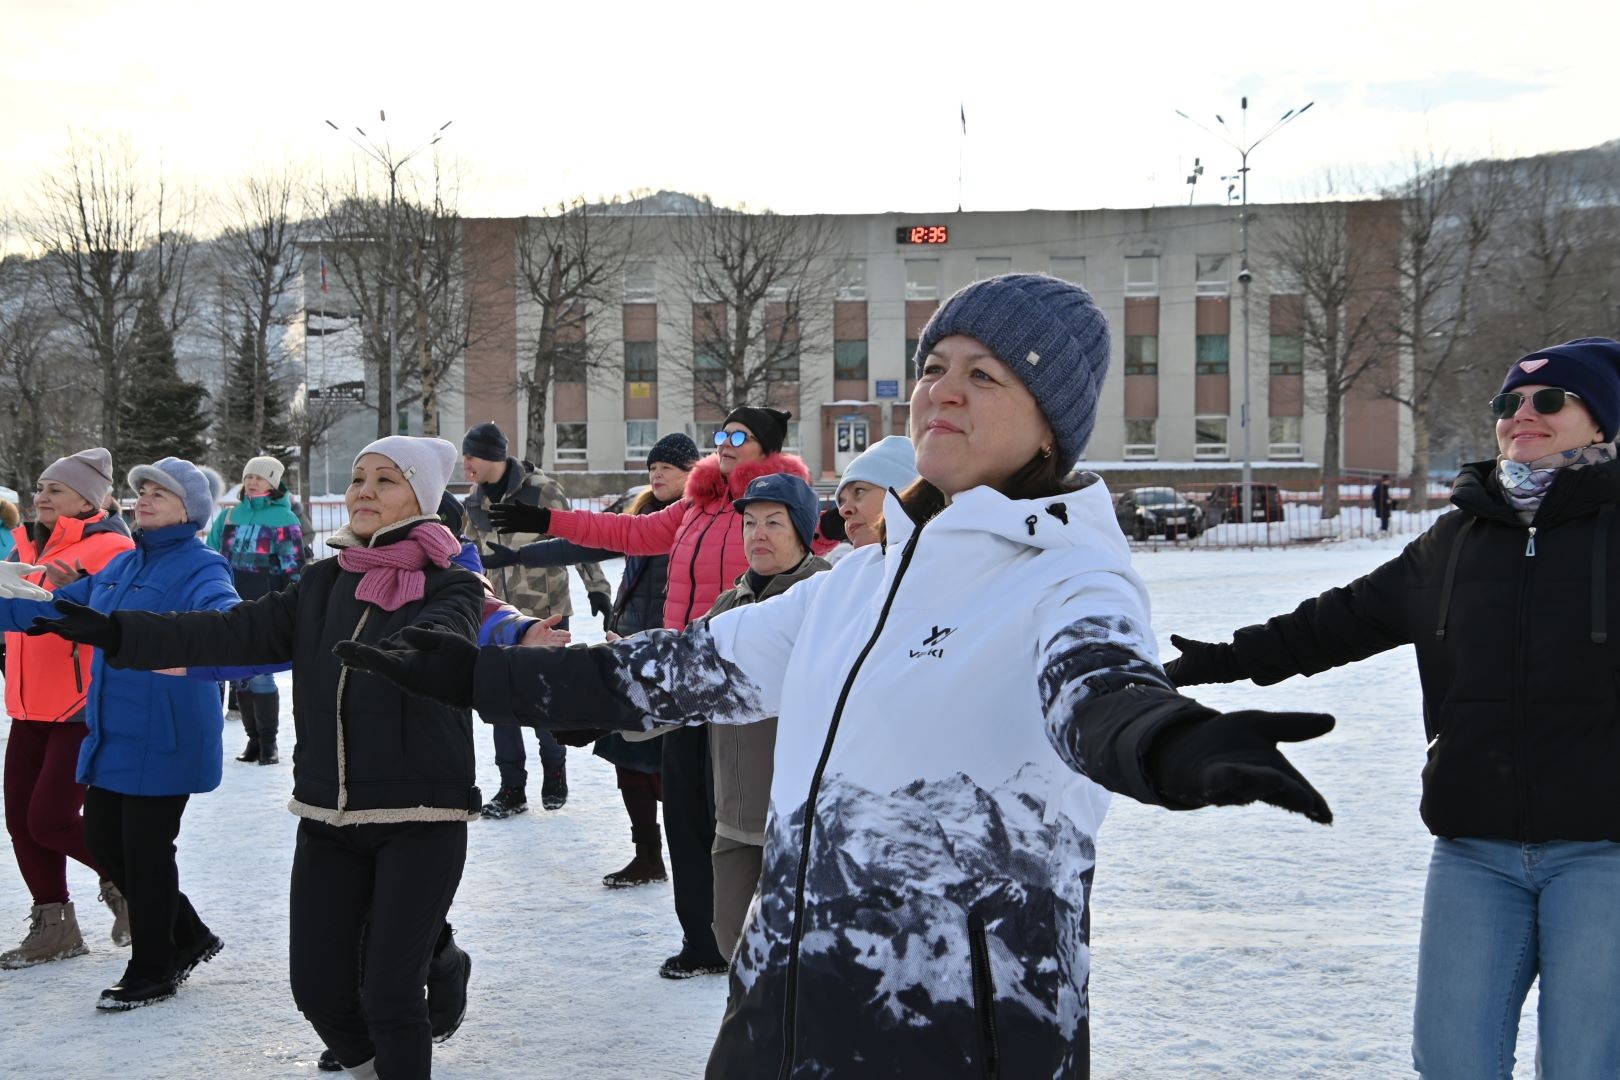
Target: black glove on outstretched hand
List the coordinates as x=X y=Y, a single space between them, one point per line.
x=84 y=625
x=600 y=604
x=495 y=556
x=517 y=518
x=428 y=663
x=1203 y=662
x=1231 y=759
x=832 y=525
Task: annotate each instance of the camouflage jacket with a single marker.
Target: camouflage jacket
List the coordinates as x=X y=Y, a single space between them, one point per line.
x=540 y=592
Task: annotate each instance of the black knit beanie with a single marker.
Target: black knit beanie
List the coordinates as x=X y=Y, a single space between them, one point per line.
x=767 y=425
x=486 y=442
x=677 y=449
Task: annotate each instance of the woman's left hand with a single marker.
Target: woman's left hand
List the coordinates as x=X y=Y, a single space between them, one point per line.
x=429 y=663
x=84 y=625
x=12 y=585
x=61 y=574
x=545 y=635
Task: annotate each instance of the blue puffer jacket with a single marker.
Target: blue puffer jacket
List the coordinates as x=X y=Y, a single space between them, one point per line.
x=149 y=734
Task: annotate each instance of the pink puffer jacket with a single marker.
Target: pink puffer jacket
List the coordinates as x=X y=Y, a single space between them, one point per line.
x=701 y=534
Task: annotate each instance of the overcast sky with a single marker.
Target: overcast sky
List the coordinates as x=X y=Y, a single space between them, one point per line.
x=825 y=106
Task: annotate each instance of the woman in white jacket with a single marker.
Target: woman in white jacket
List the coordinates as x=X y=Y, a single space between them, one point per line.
x=956 y=705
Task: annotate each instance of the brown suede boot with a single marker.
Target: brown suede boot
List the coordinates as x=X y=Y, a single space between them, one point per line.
x=119 y=907
x=53 y=934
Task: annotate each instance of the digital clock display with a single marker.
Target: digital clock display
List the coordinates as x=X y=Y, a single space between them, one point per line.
x=922 y=234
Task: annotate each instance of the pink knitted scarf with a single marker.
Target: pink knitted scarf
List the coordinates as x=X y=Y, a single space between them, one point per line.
x=392 y=576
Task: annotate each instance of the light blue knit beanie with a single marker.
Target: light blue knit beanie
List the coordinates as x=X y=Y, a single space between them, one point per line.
x=1049 y=332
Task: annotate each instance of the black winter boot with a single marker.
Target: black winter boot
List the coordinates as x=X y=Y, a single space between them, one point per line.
x=447 y=978
x=267 y=721
x=647 y=866
x=245 y=702
x=554 y=788
x=507 y=801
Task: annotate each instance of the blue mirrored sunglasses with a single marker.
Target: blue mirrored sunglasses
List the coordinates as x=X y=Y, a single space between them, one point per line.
x=735 y=438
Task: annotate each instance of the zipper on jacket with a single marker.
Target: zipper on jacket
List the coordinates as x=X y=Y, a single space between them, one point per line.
x=691 y=567
x=78 y=672
x=984 y=996
x=1521 y=813
x=790 y=995
x=1530 y=546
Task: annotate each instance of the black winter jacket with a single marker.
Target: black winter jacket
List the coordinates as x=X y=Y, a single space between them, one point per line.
x=368 y=752
x=1521 y=678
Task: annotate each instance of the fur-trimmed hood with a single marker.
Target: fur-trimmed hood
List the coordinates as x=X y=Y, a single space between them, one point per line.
x=707 y=486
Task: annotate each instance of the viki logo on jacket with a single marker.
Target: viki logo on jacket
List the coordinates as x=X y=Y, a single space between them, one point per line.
x=932 y=645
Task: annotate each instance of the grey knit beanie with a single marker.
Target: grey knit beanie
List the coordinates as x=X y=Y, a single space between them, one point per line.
x=89 y=472
x=1049 y=332
x=425 y=461
x=184 y=479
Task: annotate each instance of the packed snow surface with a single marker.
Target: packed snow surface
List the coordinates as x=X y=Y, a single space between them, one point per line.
x=1241 y=943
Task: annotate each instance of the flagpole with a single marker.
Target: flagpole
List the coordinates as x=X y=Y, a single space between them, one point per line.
x=961 y=142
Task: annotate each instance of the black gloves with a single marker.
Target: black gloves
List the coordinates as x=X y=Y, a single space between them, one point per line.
x=1203 y=662
x=518 y=518
x=81 y=624
x=832 y=525
x=600 y=604
x=497 y=556
x=429 y=663
x=1231 y=759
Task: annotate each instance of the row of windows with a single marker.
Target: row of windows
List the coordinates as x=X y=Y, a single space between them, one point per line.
x=1212 y=354
x=1210 y=438
x=923 y=276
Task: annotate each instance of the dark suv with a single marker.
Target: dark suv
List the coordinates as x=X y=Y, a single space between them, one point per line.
x=1158 y=511
x=1225 y=503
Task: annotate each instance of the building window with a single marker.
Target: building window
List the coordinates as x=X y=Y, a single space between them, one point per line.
x=641 y=361
x=708 y=362
x=570 y=442
x=640 y=283
x=922 y=279
x=1214 y=275
x=1141 y=275
x=791 y=443
x=1285 y=441
x=1287 y=354
x=1142 y=354
x=1141 y=439
x=1209 y=437
x=849 y=360
x=1071 y=268
x=568 y=361
x=639 y=437
x=911 y=355
x=782 y=365
x=991 y=266
x=1214 y=354
x=852 y=279
x=1284 y=282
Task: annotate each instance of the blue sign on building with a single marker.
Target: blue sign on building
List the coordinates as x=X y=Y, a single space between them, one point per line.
x=888 y=388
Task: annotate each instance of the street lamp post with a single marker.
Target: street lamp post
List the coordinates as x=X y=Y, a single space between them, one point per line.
x=1240 y=143
x=383 y=154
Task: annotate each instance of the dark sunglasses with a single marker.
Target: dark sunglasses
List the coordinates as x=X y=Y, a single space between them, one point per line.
x=735 y=438
x=1546 y=401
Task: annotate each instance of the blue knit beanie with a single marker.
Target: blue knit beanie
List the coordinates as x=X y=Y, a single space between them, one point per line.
x=1587 y=367
x=182 y=478
x=1049 y=332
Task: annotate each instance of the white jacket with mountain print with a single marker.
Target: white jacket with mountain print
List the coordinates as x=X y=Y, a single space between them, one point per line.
x=954 y=709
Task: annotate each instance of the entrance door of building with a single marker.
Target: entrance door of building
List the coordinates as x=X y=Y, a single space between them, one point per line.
x=849 y=435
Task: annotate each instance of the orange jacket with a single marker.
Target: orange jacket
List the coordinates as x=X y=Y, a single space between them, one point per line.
x=47 y=677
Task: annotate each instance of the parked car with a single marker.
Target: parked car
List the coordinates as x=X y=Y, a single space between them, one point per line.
x=1225 y=503
x=622 y=503
x=1158 y=511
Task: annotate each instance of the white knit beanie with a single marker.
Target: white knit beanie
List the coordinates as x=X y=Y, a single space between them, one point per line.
x=265 y=466
x=887 y=463
x=426 y=462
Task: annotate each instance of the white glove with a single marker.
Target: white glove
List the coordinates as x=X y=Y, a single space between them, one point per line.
x=12 y=585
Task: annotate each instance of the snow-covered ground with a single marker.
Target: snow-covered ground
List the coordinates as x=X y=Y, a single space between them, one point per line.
x=1243 y=943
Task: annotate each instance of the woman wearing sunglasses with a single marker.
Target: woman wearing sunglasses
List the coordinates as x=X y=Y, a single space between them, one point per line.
x=1509 y=601
x=702 y=535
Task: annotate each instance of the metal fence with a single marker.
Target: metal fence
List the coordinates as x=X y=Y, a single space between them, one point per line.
x=1211 y=515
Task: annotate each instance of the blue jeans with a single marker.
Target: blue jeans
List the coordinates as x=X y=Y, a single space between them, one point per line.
x=510 y=755
x=1496 y=914
x=258 y=684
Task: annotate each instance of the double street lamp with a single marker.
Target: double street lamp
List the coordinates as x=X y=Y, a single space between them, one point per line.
x=1239 y=141
x=382 y=152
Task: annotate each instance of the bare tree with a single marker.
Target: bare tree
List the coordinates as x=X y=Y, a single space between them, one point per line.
x=37 y=398
x=110 y=239
x=1449 y=216
x=260 y=266
x=1345 y=316
x=761 y=287
x=570 y=267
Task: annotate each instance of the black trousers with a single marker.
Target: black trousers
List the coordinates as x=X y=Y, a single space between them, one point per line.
x=132 y=838
x=399 y=880
x=689 y=832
